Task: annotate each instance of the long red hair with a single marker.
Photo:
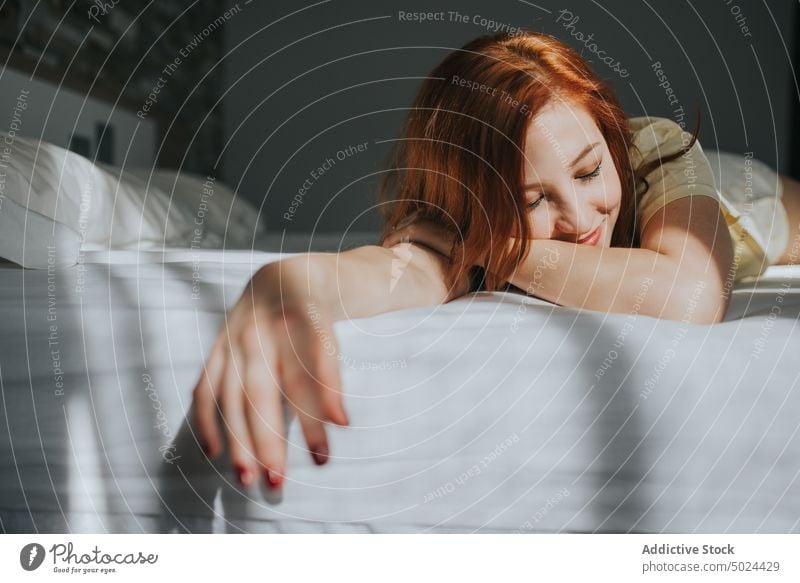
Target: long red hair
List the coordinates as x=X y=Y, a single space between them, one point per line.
x=460 y=159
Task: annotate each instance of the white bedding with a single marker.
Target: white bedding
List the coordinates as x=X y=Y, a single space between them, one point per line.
x=486 y=414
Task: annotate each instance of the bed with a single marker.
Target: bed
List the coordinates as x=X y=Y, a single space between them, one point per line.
x=493 y=413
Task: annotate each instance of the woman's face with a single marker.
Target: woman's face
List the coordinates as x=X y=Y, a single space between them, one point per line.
x=572 y=188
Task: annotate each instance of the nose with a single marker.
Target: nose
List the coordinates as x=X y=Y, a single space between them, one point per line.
x=574 y=218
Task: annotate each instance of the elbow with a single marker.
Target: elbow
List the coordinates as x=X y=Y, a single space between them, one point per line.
x=698 y=300
x=710 y=313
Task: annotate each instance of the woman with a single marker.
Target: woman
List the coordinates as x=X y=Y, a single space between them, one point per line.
x=517 y=168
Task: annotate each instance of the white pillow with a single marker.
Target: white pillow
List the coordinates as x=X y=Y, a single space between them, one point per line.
x=212 y=206
x=54 y=202
x=31 y=239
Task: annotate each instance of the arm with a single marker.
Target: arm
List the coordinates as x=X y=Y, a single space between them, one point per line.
x=678 y=273
x=277 y=345
x=371 y=279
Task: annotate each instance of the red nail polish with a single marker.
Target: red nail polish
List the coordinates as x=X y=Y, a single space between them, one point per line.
x=243 y=475
x=320 y=454
x=274 y=479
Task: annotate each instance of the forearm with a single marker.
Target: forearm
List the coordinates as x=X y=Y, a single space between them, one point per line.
x=619 y=280
x=369 y=280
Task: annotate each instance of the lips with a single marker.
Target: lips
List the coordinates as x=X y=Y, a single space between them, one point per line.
x=593 y=237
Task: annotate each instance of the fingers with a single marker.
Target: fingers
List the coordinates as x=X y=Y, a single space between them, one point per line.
x=205 y=399
x=233 y=405
x=263 y=407
x=326 y=369
x=249 y=373
x=299 y=357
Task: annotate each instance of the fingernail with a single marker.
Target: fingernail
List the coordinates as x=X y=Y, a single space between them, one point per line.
x=274 y=479
x=320 y=454
x=243 y=475
x=207 y=450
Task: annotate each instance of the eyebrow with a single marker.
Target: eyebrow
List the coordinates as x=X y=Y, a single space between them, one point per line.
x=574 y=163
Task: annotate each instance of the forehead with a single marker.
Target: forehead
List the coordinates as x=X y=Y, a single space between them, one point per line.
x=560 y=128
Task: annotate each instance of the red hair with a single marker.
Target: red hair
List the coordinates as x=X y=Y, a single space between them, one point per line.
x=459 y=162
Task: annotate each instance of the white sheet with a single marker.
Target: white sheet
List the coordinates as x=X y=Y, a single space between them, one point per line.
x=484 y=414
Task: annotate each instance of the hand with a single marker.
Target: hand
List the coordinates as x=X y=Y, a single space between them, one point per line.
x=277 y=343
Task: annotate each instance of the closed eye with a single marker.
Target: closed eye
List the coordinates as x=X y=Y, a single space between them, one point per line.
x=535 y=203
x=584 y=178
x=593 y=174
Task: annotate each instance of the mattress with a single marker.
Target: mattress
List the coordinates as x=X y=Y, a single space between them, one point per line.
x=493 y=413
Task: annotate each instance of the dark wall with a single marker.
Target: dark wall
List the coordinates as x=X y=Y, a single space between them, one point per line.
x=302 y=87
x=160 y=61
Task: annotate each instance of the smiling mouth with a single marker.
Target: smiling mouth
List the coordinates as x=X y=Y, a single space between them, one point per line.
x=593 y=237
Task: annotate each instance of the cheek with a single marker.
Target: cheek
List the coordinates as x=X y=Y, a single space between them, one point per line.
x=612 y=199
x=611 y=191
x=540 y=225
